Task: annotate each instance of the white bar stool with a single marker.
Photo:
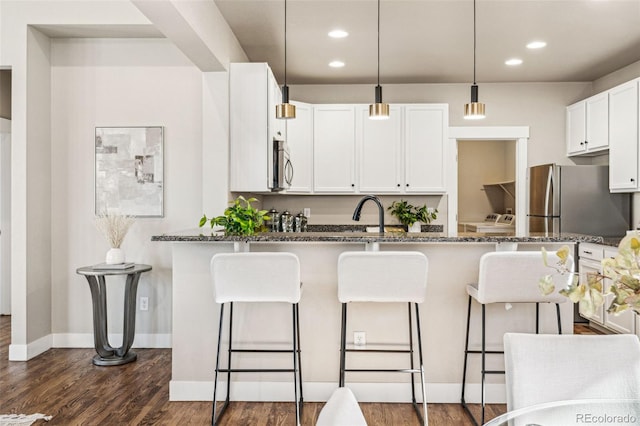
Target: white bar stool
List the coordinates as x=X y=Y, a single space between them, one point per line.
x=508 y=277
x=384 y=276
x=257 y=277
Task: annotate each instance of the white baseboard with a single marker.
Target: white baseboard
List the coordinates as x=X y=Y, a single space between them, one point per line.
x=320 y=392
x=30 y=350
x=85 y=340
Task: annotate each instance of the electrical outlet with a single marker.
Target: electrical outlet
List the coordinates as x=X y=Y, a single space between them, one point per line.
x=144 y=303
x=307 y=211
x=359 y=338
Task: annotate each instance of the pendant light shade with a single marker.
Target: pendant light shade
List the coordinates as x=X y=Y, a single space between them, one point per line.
x=285 y=110
x=378 y=110
x=474 y=110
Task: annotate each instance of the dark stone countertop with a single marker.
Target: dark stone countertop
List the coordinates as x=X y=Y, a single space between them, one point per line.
x=358 y=235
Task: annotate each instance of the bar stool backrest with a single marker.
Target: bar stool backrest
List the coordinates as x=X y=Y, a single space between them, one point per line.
x=382 y=276
x=548 y=367
x=256 y=277
x=512 y=277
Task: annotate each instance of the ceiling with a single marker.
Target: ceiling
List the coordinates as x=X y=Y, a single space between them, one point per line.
x=431 y=41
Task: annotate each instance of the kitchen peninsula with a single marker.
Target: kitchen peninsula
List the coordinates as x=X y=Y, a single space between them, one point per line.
x=453 y=263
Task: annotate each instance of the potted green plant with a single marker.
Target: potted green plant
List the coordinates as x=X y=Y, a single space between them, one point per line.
x=241 y=218
x=411 y=216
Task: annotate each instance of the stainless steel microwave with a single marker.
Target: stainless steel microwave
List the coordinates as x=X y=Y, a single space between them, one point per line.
x=282 y=167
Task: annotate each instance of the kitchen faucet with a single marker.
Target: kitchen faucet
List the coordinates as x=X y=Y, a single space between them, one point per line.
x=358 y=210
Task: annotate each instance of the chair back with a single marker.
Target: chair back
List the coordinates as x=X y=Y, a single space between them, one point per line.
x=382 y=276
x=548 y=367
x=256 y=277
x=513 y=276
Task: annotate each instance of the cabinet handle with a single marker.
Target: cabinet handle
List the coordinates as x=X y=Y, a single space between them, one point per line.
x=586 y=142
x=588 y=252
x=633 y=180
x=581 y=143
x=398 y=185
x=407 y=185
x=353 y=185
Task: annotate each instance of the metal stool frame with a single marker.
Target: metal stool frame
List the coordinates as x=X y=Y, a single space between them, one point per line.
x=297 y=365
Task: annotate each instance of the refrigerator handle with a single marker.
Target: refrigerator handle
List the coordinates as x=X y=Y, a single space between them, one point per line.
x=547 y=198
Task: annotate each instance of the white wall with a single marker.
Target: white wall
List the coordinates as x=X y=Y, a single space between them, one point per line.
x=119 y=82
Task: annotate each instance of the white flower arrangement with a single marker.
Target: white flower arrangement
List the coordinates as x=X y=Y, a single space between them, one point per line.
x=623 y=272
x=114 y=227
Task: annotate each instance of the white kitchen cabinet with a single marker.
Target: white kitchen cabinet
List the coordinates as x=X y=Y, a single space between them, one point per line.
x=587 y=127
x=300 y=141
x=379 y=145
x=625 y=321
x=590 y=263
x=623 y=137
x=425 y=137
x=334 y=149
x=253 y=96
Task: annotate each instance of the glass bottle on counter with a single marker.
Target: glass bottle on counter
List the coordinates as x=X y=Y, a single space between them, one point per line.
x=273 y=224
x=300 y=223
x=286 y=222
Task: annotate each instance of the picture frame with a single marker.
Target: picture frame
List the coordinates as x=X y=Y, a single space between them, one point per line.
x=129 y=171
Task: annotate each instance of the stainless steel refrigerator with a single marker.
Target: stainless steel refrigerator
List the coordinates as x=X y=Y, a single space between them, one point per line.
x=576 y=199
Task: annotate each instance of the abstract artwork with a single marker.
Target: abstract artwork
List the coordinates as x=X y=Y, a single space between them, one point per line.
x=129 y=171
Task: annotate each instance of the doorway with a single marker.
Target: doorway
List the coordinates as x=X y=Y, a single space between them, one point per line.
x=486 y=180
x=5 y=192
x=518 y=137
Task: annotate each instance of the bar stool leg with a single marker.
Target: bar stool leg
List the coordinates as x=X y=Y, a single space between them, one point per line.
x=537 y=318
x=484 y=353
x=425 y=419
x=299 y=357
x=295 y=363
x=215 y=383
x=466 y=356
x=343 y=343
x=558 y=316
x=413 y=385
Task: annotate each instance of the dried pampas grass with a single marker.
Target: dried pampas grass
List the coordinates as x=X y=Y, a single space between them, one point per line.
x=114 y=227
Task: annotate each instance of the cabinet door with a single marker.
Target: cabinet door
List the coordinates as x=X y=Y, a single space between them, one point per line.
x=576 y=128
x=380 y=151
x=300 y=141
x=597 y=122
x=623 y=322
x=425 y=135
x=590 y=267
x=623 y=137
x=334 y=148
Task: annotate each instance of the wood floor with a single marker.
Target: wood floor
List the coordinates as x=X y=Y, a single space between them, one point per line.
x=65 y=384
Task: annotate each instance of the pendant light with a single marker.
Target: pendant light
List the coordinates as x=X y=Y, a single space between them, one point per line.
x=475 y=109
x=378 y=110
x=285 y=110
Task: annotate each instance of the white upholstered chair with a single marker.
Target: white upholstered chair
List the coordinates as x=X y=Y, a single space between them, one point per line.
x=341 y=409
x=508 y=277
x=252 y=278
x=547 y=368
x=385 y=276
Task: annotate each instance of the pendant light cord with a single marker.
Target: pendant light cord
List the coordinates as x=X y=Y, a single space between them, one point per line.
x=379 y=42
x=474 y=42
x=285 y=42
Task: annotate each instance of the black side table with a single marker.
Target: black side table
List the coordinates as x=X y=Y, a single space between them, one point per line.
x=108 y=355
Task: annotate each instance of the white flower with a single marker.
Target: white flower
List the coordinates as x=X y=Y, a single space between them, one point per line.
x=114 y=227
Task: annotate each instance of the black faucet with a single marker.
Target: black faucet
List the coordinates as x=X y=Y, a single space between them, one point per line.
x=358 y=210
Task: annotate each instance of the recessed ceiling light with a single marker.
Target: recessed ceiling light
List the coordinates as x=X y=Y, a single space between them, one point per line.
x=536 y=44
x=513 y=61
x=336 y=64
x=338 y=34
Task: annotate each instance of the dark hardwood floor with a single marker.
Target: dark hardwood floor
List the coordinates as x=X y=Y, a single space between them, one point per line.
x=65 y=384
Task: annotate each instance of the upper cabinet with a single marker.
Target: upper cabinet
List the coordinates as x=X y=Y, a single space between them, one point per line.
x=623 y=137
x=588 y=126
x=253 y=96
x=334 y=146
x=380 y=151
x=425 y=136
x=300 y=141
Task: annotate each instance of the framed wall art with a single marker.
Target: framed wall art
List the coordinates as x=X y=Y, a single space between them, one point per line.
x=129 y=171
